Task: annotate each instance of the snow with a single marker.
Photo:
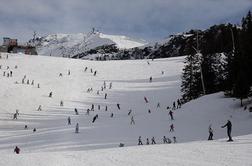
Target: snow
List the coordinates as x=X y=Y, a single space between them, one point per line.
x=55 y=142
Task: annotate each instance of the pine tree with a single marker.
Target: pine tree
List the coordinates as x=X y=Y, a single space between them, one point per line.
x=191 y=82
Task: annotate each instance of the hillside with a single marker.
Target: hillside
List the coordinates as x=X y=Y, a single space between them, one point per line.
x=130 y=84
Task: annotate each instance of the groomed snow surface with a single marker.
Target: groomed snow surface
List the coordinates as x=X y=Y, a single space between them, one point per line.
x=56 y=143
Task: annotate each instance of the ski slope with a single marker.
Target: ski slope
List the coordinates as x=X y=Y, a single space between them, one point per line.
x=58 y=144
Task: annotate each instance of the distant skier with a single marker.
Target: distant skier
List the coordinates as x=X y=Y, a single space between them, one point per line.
x=25 y=127
x=111 y=115
x=171 y=128
x=60 y=75
x=77 y=128
x=15 y=116
x=99 y=107
x=153 y=140
x=34 y=130
x=69 y=72
x=210 y=131
x=17 y=150
x=150 y=80
x=32 y=83
x=61 y=103
x=118 y=106
x=69 y=120
x=178 y=103
x=110 y=85
x=39 y=108
x=95 y=73
x=169 y=140
x=105 y=96
x=149 y=111
x=158 y=105
x=147 y=141
x=85 y=69
x=132 y=120
x=140 y=141
x=88 y=110
x=129 y=112
x=174 y=140
x=38 y=86
x=146 y=100
x=229 y=129
x=162 y=72
x=76 y=111
x=50 y=94
x=94 y=118
x=92 y=107
x=165 y=140
x=174 y=105
x=106 y=108
x=171 y=115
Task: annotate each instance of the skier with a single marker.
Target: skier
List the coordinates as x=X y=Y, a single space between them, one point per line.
x=165 y=140
x=147 y=141
x=38 y=86
x=15 y=116
x=94 y=118
x=210 y=130
x=92 y=107
x=60 y=75
x=76 y=111
x=158 y=105
x=87 y=113
x=17 y=150
x=27 y=82
x=61 y=103
x=149 y=111
x=129 y=112
x=39 y=108
x=150 y=79
x=110 y=85
x=32 y=83
x=140 y=141
x=174 y=139
x=85 y=69
x=105 y=97
x=153 y=140
x=169 y=140
x=69 y=120
x=98 y=92
x=69 y=72
x=118 y=106
x=50 y=94
x=11 y=73
x=229 y=129
x=25 y=127
x=171 y=128
x=77 y=128
x=178 y=104
x=145 y=99
x=171 y=115
x=34 y=130
x=112 y=115
x=132 y=120
x=162 y=72
x=99 y=107
x=106 y=108
x=95 y=73
x=174 y=105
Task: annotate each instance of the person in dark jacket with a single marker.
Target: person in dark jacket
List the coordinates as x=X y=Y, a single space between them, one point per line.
x=171 y=115
x=229 y=129
x=210 y=130
x=17 y=150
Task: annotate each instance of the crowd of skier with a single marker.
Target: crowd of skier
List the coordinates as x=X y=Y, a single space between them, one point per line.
x=104 y=90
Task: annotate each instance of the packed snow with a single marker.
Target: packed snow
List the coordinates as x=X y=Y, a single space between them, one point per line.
x=56 y=143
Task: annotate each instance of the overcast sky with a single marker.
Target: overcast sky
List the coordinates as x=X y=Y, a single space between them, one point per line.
x=146 y=19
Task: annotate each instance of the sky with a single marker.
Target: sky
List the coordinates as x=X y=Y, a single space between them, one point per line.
x=145 y=19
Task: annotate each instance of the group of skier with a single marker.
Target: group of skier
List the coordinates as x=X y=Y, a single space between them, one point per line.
x=166 y=140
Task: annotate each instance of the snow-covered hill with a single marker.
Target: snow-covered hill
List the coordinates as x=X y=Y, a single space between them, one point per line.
x=72 y=44
x=130 y=84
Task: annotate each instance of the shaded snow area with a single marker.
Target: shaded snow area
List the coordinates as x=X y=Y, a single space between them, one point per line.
x=56 y=143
